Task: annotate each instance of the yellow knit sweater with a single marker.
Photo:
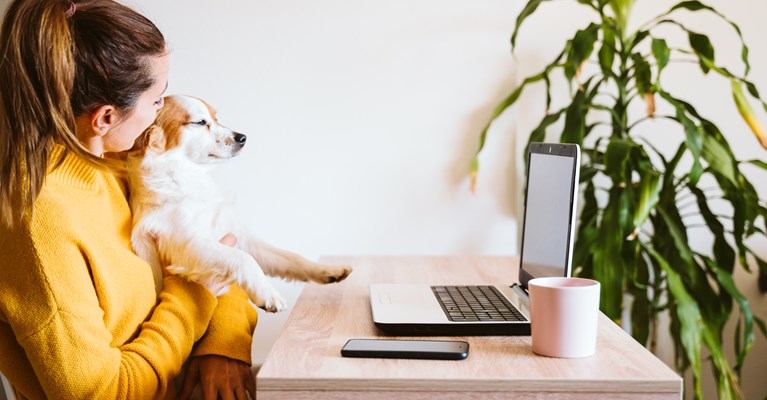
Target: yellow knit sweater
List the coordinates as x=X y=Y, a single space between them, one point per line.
x=79 y=318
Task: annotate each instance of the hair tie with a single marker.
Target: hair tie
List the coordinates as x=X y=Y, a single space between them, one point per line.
x=71 y=10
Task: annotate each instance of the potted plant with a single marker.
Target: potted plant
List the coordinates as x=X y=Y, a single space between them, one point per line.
x=637 y=199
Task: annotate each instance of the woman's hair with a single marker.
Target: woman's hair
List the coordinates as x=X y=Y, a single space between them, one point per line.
x=58 y=60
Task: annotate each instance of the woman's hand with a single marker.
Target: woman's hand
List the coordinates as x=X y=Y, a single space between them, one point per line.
x=219 y=378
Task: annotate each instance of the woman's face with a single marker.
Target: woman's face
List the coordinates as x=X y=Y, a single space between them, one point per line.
x=127 y=129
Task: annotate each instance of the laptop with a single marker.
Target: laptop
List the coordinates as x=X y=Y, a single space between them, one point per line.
x=551 y=194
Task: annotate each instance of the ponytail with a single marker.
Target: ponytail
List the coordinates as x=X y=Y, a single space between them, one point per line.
x=59 y=60
x=36 y=75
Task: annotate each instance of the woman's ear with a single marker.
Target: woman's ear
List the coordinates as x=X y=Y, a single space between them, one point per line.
x=93 y=126
x=103 y=119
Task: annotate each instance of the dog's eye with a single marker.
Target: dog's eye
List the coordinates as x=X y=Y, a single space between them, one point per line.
x=201 y=122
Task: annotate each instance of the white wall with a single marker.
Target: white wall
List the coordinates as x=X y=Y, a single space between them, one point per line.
x=363 y=115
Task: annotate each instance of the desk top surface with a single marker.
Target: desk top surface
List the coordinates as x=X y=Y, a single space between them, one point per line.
x=306 y=356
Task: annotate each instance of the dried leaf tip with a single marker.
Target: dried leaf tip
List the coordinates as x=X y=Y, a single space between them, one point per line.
x=649 y=98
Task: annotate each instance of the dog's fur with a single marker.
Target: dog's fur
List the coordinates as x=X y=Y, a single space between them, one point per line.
x=179 y=214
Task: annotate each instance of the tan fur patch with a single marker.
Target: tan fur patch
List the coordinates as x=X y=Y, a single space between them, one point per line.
x=211 y=110
x=172 y=118
x=165 y=133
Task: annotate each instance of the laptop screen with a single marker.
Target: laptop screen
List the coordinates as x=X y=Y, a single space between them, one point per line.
x=549 y=217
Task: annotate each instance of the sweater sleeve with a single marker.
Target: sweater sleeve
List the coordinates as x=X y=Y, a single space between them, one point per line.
x=230 y=332
x=63 y=325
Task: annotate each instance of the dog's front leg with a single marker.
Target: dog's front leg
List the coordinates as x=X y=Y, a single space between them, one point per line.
x=207 y=261
x=289 y=265
x=145 y=247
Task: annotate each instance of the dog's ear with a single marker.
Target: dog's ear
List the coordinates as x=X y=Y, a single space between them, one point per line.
x=156 y=137
x=153 y=138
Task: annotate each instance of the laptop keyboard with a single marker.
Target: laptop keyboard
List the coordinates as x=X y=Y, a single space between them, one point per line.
x=475 y=303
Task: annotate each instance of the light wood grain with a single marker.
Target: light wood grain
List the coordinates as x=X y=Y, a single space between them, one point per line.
x=305 y=362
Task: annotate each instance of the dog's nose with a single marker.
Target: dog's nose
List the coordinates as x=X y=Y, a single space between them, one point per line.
x=240 y=138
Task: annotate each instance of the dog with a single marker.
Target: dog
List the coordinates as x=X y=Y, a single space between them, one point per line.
x=179 y=213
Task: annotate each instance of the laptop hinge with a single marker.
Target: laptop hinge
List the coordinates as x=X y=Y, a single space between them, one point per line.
x=521 y=293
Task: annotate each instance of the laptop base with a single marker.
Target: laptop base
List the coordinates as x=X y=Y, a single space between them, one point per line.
x=456 y=329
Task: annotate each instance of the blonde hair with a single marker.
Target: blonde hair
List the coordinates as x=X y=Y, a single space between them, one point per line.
x=54 y=66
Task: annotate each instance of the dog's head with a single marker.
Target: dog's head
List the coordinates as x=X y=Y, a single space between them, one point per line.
x=188 y=125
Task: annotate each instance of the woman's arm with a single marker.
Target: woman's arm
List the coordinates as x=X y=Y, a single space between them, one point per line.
x=83 y=332
x=222 y=358
x=73 y=355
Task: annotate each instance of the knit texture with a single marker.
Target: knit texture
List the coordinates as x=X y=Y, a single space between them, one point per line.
x=79 y=317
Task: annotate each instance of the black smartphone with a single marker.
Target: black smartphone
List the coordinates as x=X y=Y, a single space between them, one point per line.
x=396 y=348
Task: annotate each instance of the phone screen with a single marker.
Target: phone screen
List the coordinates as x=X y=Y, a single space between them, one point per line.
x=393 y=348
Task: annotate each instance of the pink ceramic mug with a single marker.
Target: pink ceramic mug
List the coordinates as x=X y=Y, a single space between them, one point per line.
x=564 y=314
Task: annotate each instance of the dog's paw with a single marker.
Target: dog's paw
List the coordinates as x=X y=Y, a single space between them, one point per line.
x=333 y=273
x=266 y=297
x=274 y=304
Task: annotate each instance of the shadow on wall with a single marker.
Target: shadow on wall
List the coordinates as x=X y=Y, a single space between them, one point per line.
x=506 y=132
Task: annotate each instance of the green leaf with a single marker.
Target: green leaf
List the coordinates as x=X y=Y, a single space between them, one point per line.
x=727 y=383
x=690 y=5
x=723 y=253
x=539 y=133
x=575 y=120
x=717 y=153
x=693 y=134
x=745 y=110
x=617 y=156
x=529 y=9
x=661 y=52
x=754 y=92
x=745 y=210
x=622 y=10
x=675 y=230
x=641 y=307
x=758 y=163
x=607 y=51
x=762 y=285
x=506 y=103
x=587 y=2
x=688 y=313
x=671 y=165
x=642 y=74
x=609 y=266
x=697 y=6
x=639 y=37
x=649 y=190
x=724 y=278
x=588 y=231
x=581 y=47
x=499 y=109
x=588 y=173
x=702 y=47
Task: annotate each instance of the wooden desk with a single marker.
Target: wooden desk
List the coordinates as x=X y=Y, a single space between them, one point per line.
x=305 y=362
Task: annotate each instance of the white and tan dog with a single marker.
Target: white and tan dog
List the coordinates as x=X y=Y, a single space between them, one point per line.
x=179 y=214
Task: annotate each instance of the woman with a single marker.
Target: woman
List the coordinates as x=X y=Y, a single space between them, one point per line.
x=79 y=317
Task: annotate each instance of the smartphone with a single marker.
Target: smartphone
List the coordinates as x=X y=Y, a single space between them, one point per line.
x=396 y=348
